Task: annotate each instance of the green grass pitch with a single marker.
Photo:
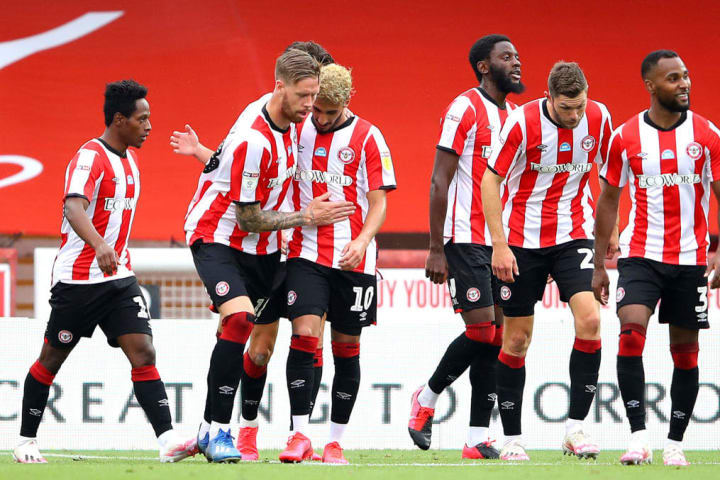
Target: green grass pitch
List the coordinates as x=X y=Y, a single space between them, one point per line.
x=365 y=464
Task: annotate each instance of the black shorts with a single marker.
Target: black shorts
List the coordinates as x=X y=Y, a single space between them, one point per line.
x=117 y=306
x=470 y=280
x=348 y=298
x=681 y=289
x=276 y=306
x=571 y=267
x=229 y=273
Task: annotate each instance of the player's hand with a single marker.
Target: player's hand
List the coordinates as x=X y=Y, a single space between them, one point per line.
x=352 y=254
x=601 y=285
x=613 y=244
x=185 y=143
x=107 y=258
x=504 y=265
x=549 y=280
x=323 y=212
x=436 y=268
x=713 y=269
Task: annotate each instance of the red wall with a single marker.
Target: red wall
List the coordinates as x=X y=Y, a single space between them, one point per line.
x=204 y=63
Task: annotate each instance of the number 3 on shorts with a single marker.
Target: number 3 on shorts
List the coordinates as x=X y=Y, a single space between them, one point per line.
x=359 y=306
x=587 y=262
x=703 y=300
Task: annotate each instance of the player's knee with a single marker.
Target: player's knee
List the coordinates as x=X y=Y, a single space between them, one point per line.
x=304 y=330
x=516 y=342
x=237 y=327
x=260 y=354
x=632 y=340
x=589 y=325
x=52 y=360
x=143 y=356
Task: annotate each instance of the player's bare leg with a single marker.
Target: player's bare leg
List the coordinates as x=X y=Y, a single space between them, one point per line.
x=36 y=391
x=584 y=368
x=634 y=320
x=152 y=397
x=255 y=361
x=511 y=382
x=300 y=379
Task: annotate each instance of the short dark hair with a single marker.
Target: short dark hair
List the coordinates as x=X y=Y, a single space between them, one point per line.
x=313 y=49
x=481 y=50
x=120 y=97
x=653 y=58
x=566 y=78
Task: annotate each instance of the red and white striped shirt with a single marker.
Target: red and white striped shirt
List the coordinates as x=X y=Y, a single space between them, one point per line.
x=111 y=183
x=669 y=172
x=253 y=164
x=348 y=162
x=470 y=128
x=547 y=200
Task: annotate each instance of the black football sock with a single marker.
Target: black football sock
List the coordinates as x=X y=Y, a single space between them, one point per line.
x=151 y=395
x=299 y=373
x=35 y=396
x=510 y=385
x=584 y=369
x=346 y=381
x=684 y=388
x=483 y=379
x=459 y=354
x=251 y=387
x=631 y=381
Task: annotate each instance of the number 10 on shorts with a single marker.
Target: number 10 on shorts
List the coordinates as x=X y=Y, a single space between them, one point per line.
x=363 y=301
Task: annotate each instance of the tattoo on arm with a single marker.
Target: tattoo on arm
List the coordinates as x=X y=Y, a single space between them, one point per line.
x=252 y=219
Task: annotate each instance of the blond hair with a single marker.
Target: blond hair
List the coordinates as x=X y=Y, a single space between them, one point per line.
x=335 y=84
x=295 y=65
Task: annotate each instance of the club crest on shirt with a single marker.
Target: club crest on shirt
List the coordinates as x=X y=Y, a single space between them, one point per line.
x=320 y=152
x=346 y=155
x=588 y=143
x=667 y=154
x=565 y=147
x=694 y=150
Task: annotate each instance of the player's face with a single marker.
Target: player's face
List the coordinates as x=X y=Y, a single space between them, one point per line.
x=504 y=68
x=669 y=81
x=298 y=98
x=136 y=127
x=326 y=116
x=566 y=111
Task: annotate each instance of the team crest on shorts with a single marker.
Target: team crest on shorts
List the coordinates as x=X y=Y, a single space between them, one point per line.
x=65 y=336
x=505 y=292
x=473 y=294
x=694 y=150
x=292 y=296
x=222 y=288
x=619 y=294
x=588 y=143
x=346 y=155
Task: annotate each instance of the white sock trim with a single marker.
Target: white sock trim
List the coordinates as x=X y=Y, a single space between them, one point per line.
x=427 y=398
x=249 y=423
x=337 y=430
x=476 y=435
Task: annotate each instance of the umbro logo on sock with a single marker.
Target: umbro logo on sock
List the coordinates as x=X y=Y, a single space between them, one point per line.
x=492 y=397
x=678 y=414
x=452 y=378
x=35 y=412
x=633 y=403
x=164 y=402
x=343 y=395
x=225 y=390
x=300 y=382
x=508 y=405
x=251 y=402
x=590 y=388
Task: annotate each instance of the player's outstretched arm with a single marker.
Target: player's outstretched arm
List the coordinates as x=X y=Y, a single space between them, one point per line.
x=714 y=264
x=188 y=143
x=354 y=251
x=504 y=265
x=445 y=167
x=605 y=227
x=74 y=212
x=319 y=212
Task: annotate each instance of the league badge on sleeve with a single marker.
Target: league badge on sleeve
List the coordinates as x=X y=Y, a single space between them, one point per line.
x=250 y=180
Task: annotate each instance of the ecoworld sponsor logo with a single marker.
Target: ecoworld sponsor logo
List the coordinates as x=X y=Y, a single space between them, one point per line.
x=117 y=204
x=562 y=168
x=318 y=176
x=279 y=180
x=667 y=180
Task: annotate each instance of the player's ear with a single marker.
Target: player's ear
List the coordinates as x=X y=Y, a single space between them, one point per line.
x=483 y=67
x=119 y=119
x=649 y=86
